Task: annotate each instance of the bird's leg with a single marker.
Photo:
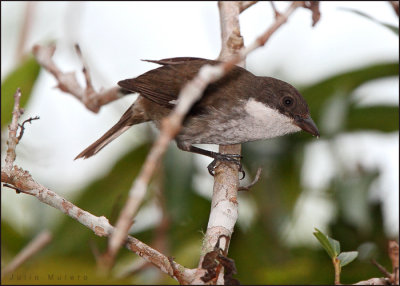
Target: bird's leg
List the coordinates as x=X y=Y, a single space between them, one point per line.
x=234 y=158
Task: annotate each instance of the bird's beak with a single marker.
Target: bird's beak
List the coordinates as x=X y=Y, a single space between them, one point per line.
x=307 y=124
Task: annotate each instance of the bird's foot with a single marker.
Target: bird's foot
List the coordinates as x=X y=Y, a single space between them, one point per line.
x=233 y=158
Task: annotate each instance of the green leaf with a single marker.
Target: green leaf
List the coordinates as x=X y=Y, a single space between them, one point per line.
x=335 y=244
x=381 y=118
x=24 y=76
x=331 y=245
x=392 y=28
x=347 y=257
x=317 y=94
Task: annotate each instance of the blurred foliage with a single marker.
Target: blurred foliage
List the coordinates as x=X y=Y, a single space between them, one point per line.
x=260 y=254
x=392 y=28
x=28 y=71
x=103 y=197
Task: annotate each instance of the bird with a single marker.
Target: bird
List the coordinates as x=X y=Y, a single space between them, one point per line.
x=238 y=108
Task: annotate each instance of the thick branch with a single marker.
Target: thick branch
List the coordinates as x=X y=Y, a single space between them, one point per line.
x=22 y=180
x=224 y=205
x=67 y=82
x=374 y=281
x=224 y=208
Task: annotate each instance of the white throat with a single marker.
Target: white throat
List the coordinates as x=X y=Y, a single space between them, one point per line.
x=265 y=122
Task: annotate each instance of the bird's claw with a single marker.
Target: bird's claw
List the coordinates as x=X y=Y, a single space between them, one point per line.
x=233 y=158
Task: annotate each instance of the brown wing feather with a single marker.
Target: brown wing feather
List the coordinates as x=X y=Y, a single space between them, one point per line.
x=178 y=60
x=162 y=85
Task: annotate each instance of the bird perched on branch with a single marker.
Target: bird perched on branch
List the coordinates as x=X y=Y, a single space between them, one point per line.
x=238 y=108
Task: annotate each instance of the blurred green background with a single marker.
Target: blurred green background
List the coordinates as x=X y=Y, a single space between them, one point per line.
x=265 y=244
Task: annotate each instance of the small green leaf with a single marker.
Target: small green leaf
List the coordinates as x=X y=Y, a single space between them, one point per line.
x=331 y=245
x=335 y=244
x=392 y=28
x=347 y=257
x=24 y=76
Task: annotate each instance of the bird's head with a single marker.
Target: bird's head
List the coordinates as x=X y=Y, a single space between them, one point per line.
x=287 y=101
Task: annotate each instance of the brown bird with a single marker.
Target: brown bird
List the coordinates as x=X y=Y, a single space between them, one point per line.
x=238 y=108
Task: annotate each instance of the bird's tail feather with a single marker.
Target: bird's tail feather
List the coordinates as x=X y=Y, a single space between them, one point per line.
x=126 y=121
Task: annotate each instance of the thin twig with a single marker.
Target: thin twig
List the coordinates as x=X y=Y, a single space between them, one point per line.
x=14 y=188
x=276 y=12
x=95 y=250
x=395 y=5
x=314 y=7
x=393 y=250
x=381 y=268
x=67 y=82
x=21 y=132
x=12 y=132
x=256 y=178
x=138 y=266
x=177 y=274
x=26 y=26
x=27 y=252
x=391 y=278
x=85 y=70
x=336 y=265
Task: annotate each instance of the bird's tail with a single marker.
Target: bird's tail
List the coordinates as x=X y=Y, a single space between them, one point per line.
x=129 y=118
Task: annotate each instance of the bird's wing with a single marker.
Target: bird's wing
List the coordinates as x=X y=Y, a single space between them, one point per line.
x=162 y=85
x=178 y=60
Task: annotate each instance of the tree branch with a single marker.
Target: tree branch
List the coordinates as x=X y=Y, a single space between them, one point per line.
x=393 y=249
x=224 y=206
x=21 y=132
x=99 y=225
x=391 y=278
x=30 y=8
x=171 y=125
x=12 y=132
x=67 y=82
x=314 y=7
x=374 y=281
x=276 y=12
x=22 y=181
x=395 y=6
x=243 y=5
x=256 y=178
x=40 y=241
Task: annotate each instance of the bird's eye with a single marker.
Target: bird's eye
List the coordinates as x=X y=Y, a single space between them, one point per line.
x=288 y=101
